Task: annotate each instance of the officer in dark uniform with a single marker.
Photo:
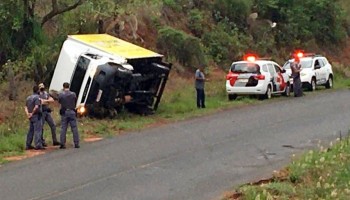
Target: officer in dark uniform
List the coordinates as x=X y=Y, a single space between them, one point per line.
x=296 y=69
x=68 y=99
x=199 y=85
x=46 y=111
x=33 y=112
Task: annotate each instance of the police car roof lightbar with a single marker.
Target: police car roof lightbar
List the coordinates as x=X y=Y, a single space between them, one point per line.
x=302 y=54
x=251 y=58
x=264 y=58
x=254 y=57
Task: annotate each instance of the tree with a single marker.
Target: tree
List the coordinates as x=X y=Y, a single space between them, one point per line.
x=20 y=23
x=56 y=9
x=233 y=11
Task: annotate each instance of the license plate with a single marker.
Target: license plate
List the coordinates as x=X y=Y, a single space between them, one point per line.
x=243 y=80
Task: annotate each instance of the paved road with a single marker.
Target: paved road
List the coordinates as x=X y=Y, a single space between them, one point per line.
x=195 y=159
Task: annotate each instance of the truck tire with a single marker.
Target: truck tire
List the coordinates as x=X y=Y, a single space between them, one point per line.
x=160 y=68
x=122 y=72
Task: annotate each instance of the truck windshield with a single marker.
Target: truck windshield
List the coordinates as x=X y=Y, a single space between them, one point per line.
x=79 y=74
x=245 y=68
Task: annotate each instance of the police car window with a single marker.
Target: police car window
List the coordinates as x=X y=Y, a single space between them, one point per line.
x=306 y=63
x=264 y=68
x=321 y=61
x=271 y=69
x=277 y=68
x=79 y=74
x=325 y=61
x=245 y=68
x=287 y=65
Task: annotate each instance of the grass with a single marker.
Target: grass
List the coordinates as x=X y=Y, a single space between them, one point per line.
x=340 y=81
x=317 y=174
x=178 y=103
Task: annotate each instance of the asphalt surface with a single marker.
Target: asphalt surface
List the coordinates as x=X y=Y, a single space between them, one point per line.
x=195 y=159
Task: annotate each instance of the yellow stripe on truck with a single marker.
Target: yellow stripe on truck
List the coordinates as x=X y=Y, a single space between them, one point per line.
x=115 y=46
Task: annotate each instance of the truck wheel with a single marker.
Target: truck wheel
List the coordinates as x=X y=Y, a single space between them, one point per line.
x=122 y=72
x=329 y=83
x=232 y=97
x=160 y=68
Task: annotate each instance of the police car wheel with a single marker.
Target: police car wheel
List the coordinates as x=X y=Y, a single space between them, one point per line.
x=312 y=86
x=232 y=97
x=329 y=83
x=287 y=91
x=268 y=94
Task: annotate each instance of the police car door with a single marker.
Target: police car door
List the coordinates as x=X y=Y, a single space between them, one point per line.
x=273 y=77
x=280 y=82
x=323 y=71
x=318 y=71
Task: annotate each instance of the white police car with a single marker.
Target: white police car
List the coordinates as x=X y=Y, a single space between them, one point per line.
x=254 y=76
x=316 y=71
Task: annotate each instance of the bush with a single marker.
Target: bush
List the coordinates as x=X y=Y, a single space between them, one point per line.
x=174 y=4
x=222 y=45
x=234 y=10
x=185 y=48
x=196 y=22
x=193 y=54
x=301 y=21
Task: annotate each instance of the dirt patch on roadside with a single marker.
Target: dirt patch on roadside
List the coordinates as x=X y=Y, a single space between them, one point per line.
x=33 y=153
x=159 y=122
x=30 y=154
x=278 y=175
x=92 y=138
x=27 y=154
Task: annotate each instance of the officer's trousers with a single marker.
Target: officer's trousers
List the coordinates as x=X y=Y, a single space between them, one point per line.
x=69 y=117
x=297 y=86
x=48 y=118
x=200 y=98
x=35 y=130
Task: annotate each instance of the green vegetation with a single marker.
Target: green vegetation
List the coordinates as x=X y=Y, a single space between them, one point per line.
x=318 y=174
x=215 y=32
x=180 y=45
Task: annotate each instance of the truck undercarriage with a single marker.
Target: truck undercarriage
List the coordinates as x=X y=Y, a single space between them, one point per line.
x=114 y=88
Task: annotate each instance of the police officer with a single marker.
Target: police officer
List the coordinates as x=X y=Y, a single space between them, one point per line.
x=199 y=85
x=32 y=110
x=296 y=69
x=46 y=111
x=68 y=99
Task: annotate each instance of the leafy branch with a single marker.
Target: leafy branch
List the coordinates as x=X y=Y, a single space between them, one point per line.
x=56 y=10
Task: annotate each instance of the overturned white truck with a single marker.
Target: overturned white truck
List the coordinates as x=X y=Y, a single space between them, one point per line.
x=109 y=74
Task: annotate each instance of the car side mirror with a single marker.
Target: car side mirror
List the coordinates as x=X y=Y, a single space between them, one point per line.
x=317 y=67
x=283 y=70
